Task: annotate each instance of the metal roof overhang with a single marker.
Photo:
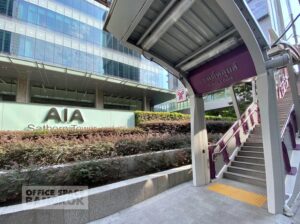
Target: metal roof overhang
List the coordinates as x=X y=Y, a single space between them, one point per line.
x=183 y=35
x=64 y=78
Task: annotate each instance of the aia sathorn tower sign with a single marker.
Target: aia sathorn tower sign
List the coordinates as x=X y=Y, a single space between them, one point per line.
x=223 y=71
x=53 y=114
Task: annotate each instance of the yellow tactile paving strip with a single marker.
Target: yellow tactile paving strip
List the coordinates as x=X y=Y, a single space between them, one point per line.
x=239 y=194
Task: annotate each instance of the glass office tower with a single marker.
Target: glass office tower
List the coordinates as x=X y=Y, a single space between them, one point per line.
x=69 y=33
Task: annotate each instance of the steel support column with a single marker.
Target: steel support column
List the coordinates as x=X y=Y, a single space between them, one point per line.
x=271 y=141
x=235 y=102
x=199 y=142
x=254 y=94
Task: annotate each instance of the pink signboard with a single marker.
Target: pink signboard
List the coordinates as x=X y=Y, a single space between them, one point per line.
x=181 y=95
x=223 y=71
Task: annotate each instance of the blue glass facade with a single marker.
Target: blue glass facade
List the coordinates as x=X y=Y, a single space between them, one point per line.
x=83 y=44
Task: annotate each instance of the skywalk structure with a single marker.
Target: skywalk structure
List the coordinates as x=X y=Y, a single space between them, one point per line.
x=211 y=45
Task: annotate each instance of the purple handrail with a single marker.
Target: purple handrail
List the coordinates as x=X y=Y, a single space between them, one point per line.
x=241 y=125
x=223 y=145
x=289 y=169
x=237 y=135
x=282 y=87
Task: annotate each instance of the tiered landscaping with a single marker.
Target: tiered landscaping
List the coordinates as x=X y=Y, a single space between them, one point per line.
x=95 y=157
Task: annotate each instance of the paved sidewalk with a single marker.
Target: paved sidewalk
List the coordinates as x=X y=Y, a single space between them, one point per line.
x=187 y=204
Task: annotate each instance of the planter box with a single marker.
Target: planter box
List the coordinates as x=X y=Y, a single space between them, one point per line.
x=102 y=201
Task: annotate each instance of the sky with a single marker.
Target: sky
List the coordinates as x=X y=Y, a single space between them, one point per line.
x=295 y=7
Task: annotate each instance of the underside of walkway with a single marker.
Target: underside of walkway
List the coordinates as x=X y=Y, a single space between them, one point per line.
x=188 y=204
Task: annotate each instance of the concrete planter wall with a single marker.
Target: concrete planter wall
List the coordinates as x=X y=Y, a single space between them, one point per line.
x=102 y=201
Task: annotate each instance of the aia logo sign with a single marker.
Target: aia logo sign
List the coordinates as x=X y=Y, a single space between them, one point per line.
x=53 y=114
x=181 y=95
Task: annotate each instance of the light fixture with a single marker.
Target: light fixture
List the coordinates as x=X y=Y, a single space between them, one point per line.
x=229 y=43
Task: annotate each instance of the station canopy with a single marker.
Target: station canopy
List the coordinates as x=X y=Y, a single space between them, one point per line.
x=193 y=39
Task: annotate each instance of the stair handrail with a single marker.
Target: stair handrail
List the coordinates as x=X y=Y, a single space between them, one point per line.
x=286 y=123
x=237 y=130
x=282 y=87
x=290 y=170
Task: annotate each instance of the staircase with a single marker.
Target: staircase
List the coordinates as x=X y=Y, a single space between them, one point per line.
x=249 y=165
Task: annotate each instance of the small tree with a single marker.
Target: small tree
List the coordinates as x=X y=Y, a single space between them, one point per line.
x=244 y=95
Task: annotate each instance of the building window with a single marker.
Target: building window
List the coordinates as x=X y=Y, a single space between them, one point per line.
x=32 y=14
x=29 y=47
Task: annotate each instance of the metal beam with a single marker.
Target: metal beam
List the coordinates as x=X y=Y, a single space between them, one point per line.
x=151 y=57
x=156 y=21
x=161 y=28
x=137 y=19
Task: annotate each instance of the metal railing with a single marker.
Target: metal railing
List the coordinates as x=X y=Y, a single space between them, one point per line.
x=226 y=146
x=244 y=122
x=289 y=138
x=282 y=87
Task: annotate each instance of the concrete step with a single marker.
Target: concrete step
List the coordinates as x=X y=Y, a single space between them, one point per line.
x=259 y=135
x=249 y=140
x=257 y=131
x=259 y=144
x=256 y=141
x=252 y=166
x=245 y=179
x=252 y=148
x=251 y=154
x=255 y=136
x=248 y=172
x=250 y=159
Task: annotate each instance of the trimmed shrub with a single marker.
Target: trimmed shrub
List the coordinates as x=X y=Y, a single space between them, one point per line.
x=67 y=134
x=91 y=174
x=26 y=154
x=131 y=147
x=145 y=116
x=48 y=152
x=183 y=127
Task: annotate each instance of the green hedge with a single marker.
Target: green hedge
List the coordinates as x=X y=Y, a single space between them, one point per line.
x=92 y=174
x=145 y=116
x=183 y=127
x=67 y=134
x=45 y=153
